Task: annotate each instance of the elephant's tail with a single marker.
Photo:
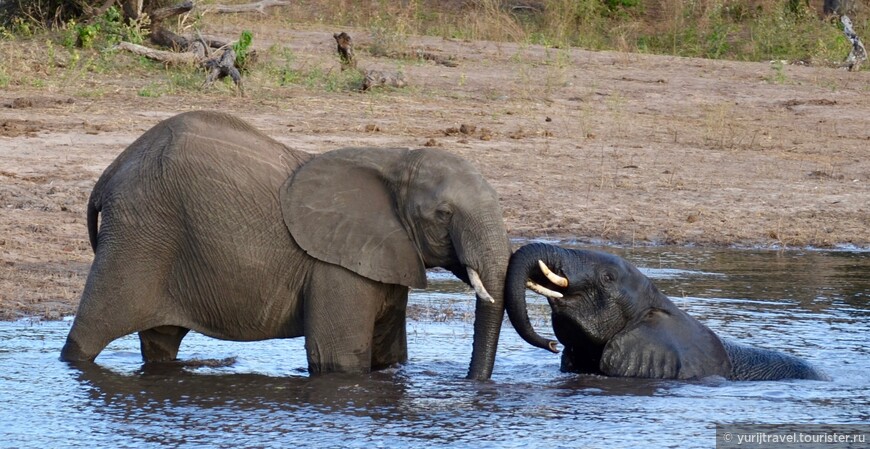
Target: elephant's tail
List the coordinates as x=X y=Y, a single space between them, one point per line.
x=93 y=215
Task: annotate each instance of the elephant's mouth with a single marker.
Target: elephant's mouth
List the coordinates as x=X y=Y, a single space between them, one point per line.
x=552 y=295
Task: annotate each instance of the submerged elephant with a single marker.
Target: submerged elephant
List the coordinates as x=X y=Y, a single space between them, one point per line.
x=612 y=320
x=207 y=224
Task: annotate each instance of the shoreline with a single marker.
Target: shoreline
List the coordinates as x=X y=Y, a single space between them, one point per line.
x=67 y=312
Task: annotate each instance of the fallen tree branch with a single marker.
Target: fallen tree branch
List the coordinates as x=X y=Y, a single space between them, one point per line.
x=222 y=67
x=162 y=14
x=166 y=57
x=194 y=51
x=858 y=53
x=165 y=38
x=259 y=7
x=219 y=66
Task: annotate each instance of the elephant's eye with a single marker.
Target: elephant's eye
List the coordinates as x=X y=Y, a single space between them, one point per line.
x=608 y=277
x=443 y=214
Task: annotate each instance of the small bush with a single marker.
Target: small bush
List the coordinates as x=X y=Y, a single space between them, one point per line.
x=105 y=31
x=242 y=49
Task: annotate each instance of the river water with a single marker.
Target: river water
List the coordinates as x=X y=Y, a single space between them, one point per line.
x=814 y=304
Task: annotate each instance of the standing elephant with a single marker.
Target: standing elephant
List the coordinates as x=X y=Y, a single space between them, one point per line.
x=612 y=320
x=207 y=224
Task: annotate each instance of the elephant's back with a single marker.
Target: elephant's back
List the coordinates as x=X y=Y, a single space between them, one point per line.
x=750 y=363
x=195 y=142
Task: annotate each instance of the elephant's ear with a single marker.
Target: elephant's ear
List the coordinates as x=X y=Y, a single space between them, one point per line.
x=665 y=345
x=340 y=210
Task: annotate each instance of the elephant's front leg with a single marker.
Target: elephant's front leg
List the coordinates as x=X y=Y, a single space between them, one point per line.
x=339 y=316
x=390 y=340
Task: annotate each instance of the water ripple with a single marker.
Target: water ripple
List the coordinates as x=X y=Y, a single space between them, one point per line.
x=810 y=303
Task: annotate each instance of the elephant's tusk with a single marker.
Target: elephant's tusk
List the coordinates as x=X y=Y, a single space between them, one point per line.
x=553 y=277
x=474 y=278
x=543 y=290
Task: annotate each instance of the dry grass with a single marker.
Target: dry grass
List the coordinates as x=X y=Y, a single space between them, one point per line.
x=734 y=29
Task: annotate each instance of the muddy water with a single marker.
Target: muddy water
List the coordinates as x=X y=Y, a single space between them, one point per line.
x=810 y=303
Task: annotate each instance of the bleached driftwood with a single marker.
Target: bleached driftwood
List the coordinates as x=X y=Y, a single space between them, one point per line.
x=218 y=66
x=259 y=6
x=166 y=57
x=858 y=53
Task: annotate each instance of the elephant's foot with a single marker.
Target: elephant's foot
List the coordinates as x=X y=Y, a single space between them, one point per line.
x=160 y=344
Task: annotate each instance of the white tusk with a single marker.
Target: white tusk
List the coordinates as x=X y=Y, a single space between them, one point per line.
x=543 y=290
x=553 y=277
x=478 y=285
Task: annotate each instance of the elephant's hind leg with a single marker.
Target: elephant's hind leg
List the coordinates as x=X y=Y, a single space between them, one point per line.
x=75 y=351
x=88 y=337
x=160 y=344
x=94 y=326
x=117 y=301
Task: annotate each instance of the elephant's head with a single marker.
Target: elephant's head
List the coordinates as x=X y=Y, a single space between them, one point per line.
x=610 y=317
x=388 y=214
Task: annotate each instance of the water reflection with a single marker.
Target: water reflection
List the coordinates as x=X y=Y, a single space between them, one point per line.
x=813 y=280
x=171 y=386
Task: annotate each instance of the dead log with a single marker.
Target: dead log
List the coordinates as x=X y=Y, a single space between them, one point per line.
x=162 y=37
x=259 y=7
x=837 y=7
x=377 y=78
x=192 y=51
x=132 y=9
x=345 y=50
x=159 y=15
x=166 y=57
x=858 y=53
x=222 y=66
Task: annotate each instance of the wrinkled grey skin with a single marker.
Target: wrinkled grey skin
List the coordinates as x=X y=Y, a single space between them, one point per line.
x=613 y=321
x=207 y=224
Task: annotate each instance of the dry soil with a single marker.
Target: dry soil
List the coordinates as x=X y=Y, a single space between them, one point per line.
x=589 y=146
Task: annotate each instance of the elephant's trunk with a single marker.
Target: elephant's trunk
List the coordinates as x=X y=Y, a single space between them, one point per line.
x=523 y=267
x=483 y=247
